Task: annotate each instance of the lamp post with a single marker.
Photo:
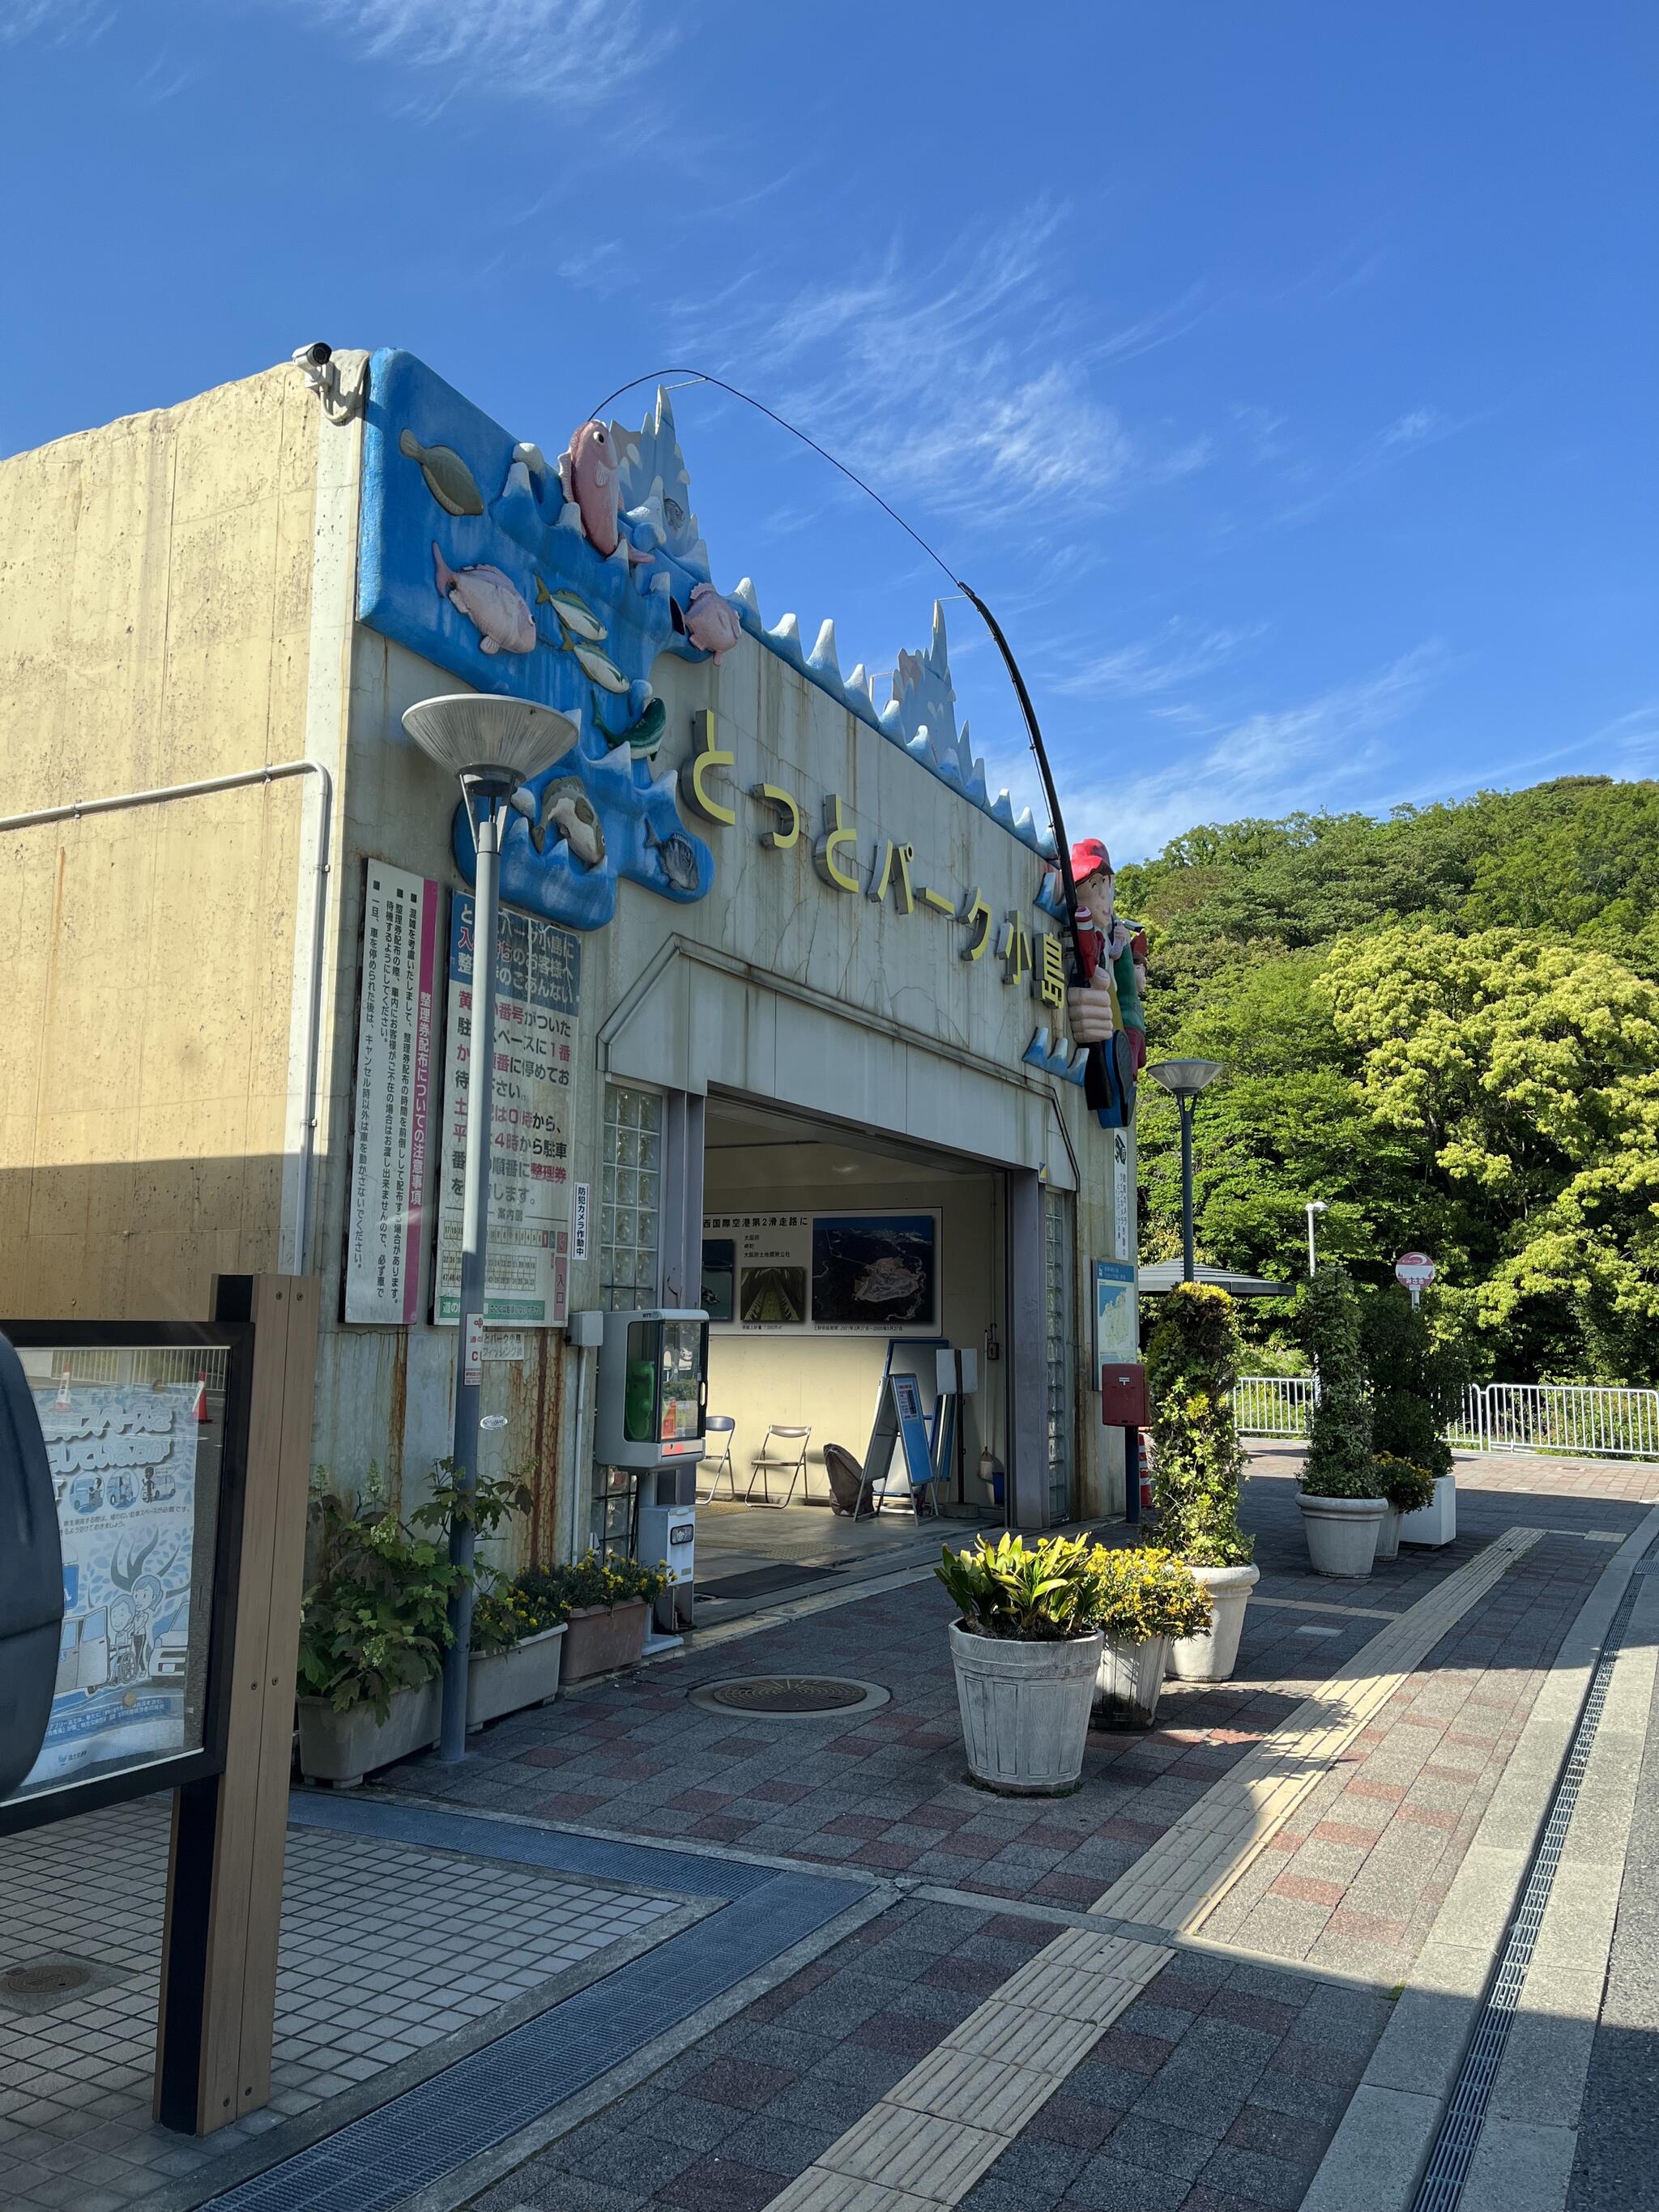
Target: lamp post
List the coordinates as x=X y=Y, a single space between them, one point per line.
x=1184 y=1079
x=492 y=745
x=1315 y=1206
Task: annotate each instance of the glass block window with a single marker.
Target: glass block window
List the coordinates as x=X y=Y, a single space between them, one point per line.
x=630 y=1213
x=630 y=1197
x=1059 y=1310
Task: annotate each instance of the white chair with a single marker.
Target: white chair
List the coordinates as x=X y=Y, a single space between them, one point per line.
x=788 y=1457
x=720 y=1424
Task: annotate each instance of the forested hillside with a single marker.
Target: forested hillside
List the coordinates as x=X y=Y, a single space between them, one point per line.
x=1445 y=1024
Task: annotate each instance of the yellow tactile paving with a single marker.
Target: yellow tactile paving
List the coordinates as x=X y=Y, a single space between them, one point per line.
x=1179 y=1881
x=929 y=2140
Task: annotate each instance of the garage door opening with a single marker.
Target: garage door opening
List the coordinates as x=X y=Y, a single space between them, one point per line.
x=837 y=1267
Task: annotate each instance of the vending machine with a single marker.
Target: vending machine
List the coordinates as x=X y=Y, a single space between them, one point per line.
x=652 y=1394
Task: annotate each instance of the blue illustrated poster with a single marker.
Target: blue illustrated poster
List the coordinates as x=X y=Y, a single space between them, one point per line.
x=123 y=1459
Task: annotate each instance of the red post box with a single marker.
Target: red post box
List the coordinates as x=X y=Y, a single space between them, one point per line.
x=1123 y=1395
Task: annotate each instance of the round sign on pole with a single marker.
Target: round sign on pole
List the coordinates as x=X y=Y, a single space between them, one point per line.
x=1416 y=1271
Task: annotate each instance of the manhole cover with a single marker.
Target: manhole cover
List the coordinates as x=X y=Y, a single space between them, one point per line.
x=44 y=1981
x=790 y=1697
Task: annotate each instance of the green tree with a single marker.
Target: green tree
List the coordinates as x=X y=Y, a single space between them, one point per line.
x=1198 y=1463
x=1415 y=1382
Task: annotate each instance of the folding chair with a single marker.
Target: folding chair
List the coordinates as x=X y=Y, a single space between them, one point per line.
x=787 y=1461
x=720 y=1424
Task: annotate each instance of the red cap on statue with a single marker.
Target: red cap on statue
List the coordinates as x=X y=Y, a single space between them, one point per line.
x=1089 y=857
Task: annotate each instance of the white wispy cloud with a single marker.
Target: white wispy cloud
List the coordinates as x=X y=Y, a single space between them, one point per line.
x=960 y=377
x=59 y=20
x=575 y=54
x=1323 y=750
x=1179 y=653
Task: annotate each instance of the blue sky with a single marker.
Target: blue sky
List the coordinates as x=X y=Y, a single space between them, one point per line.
x=1280 y=372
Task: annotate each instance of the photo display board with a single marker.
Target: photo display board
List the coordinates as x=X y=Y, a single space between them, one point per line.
x=537 y=999
x=846 y=1274
x=135 y=1451
x=1117 y=1317
x=387 y=1225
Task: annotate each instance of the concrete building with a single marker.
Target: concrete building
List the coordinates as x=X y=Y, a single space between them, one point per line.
x=804 y=1061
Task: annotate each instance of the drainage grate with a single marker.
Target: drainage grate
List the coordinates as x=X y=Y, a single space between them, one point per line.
x=1460 y=2131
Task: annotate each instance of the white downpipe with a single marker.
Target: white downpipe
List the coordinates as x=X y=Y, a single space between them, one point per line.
x=312 y=982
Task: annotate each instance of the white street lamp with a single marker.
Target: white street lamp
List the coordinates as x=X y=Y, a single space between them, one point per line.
x=1184 y=1079
x=1314 y=1205
x=492 y=745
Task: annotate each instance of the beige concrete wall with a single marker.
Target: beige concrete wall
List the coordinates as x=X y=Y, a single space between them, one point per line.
x=154 y=628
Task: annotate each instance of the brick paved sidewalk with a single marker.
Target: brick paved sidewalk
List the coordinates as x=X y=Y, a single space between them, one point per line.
x=1221 y=2086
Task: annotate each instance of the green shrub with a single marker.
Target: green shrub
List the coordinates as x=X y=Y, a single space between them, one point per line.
x=1407 y=1488
x=375 y=1618
x=1340 y=1443
x=554 y=1593
x=1416 y=1385
x=1142 y=1593
x=1198 y=1462
x=1330 y=1481
x=1039 y=1593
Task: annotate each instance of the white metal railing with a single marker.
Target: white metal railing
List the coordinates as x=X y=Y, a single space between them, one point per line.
x=1564 y=1420
x=1569 y=1419
x=1272 y=1405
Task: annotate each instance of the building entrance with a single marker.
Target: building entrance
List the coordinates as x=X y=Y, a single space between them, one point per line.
x=836 y=1264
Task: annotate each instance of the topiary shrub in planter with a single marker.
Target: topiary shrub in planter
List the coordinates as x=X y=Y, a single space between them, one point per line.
x=605 y=1605
x=1417 y=1389
x=1192 y=1364
x=1342 y=1509
x=1146 y=1599
x=1405 y=1489
x=1026 y=1652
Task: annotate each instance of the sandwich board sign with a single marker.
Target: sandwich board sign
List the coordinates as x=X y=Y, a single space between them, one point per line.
x=1416 y=1271
x=901 y=1423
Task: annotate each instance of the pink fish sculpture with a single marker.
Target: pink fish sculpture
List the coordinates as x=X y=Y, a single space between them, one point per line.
x=491 y=602
x=590 y=475
x=711 y=623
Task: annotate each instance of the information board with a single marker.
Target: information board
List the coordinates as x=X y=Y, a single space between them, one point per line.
x=137 y=1561
x=1117 y=1320
x=539 y=978
x=844 y=1274
x=387 y=1224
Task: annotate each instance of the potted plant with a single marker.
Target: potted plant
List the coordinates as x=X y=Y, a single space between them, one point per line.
x=604 y=1604
x=1405 y=1489
x=1341 y=1507
x=1417 y=1385
x=1147 y=1599
x=517 y=1645
x=372 y=1632
x=1026 y=1652
x=1192 y=1364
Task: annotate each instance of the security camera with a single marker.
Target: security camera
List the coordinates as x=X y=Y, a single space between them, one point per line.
x=315 y=363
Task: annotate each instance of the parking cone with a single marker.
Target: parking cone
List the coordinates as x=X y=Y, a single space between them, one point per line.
x=63 y=1398
x=199 y=1409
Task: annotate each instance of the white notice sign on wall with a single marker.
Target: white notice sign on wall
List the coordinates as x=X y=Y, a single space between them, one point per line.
x=387 y=1226
x=537 y=990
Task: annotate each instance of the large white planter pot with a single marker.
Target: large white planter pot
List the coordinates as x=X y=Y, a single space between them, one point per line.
x=1436 y=1522
x=1388 y=1536
x=342 y=1748
x=1211 y=1657
x=1342 y=1533
x=1127 y=1683
x=1024 y=1709
x=499 y=1682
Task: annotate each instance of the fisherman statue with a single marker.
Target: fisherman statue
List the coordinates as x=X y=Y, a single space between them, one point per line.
x=1104 y=1006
